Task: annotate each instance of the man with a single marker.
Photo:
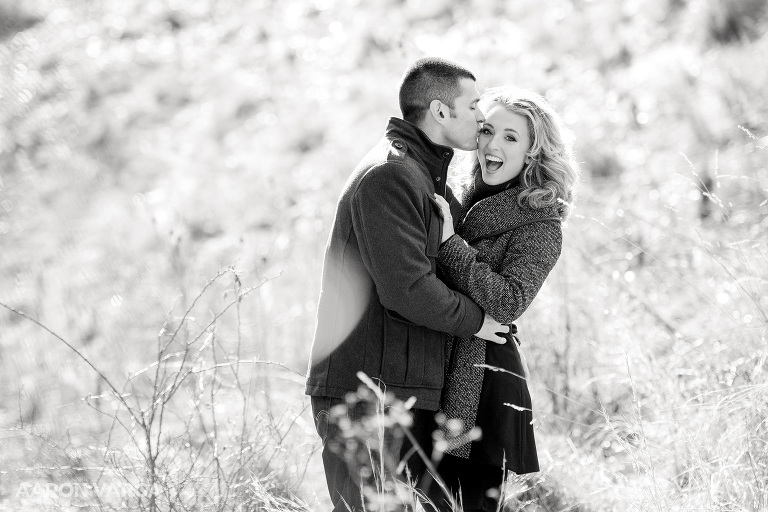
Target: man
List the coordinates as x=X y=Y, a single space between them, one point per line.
x=382 y=308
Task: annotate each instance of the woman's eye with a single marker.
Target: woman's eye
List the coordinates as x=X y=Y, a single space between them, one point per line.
x=511 y=139
x=485 y=131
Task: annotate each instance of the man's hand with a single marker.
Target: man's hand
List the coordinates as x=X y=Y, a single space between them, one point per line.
x=490 y=328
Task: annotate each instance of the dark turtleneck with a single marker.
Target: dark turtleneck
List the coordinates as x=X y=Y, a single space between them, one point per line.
x=483 y=190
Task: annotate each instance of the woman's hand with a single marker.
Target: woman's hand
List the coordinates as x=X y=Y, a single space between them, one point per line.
x=445 y=209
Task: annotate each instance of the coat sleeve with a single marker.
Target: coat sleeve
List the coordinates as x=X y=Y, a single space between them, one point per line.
x=388 y=218
x=531 y=254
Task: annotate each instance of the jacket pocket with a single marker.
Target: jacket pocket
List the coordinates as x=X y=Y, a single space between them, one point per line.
x=394 y=357
x=413 y=355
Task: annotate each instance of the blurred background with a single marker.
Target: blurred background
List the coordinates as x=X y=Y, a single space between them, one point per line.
x=147 y=145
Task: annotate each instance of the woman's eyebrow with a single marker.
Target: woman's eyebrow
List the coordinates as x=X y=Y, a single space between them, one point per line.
x=511 y=130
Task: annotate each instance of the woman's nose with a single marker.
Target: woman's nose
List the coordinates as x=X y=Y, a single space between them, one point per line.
x=494 y=142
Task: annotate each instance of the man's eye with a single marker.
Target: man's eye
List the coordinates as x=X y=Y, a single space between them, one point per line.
x=485 y=131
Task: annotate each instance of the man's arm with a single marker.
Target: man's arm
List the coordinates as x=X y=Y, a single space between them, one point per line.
x=392 y=237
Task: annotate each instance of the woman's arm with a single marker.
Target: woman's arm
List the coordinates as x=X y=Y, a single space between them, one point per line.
x=531 y=254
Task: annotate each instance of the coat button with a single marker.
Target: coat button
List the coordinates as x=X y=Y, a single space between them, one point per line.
x=398 y=144
x=446 y=154
x=437 y=179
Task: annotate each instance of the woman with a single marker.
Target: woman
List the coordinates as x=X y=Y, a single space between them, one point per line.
x=507 y=241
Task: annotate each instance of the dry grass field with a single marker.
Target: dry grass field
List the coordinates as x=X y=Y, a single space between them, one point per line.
x=168 y=176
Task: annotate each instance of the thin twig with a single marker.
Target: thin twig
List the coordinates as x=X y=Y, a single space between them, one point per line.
x=78 y=353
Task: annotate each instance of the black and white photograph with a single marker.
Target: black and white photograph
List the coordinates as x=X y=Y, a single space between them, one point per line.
x=384 y=256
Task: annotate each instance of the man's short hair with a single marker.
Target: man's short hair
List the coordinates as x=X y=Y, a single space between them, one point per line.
x=430 y=79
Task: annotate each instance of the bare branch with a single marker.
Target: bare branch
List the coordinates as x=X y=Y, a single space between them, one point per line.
x=103 y=377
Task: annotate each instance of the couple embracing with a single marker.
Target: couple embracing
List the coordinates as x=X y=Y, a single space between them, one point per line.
x=419 y=289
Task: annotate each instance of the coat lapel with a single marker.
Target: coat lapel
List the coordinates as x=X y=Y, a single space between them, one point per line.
x=492 y=214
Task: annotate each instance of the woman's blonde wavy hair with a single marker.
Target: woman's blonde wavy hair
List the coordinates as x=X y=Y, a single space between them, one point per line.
x=551 y=176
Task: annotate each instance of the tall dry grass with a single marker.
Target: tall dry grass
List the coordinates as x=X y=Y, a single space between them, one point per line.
x=189 y=431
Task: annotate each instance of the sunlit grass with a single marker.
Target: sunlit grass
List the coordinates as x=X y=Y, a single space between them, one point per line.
x=144 y=145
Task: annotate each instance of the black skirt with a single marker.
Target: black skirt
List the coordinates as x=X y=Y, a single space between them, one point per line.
x=507 y=434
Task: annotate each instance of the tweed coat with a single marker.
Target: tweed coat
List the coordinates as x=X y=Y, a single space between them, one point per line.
x=500 y=256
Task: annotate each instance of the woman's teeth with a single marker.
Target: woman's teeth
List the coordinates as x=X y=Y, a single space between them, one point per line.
x=492 y=163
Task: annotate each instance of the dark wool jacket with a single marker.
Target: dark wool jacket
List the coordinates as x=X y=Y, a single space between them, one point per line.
x=500 y=269
x=382 y=308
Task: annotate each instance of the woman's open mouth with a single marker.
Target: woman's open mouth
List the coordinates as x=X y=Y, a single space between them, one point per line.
x=492 y=163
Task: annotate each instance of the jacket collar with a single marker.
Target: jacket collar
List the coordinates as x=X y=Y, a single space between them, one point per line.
x=430 y=156
x=497 y=213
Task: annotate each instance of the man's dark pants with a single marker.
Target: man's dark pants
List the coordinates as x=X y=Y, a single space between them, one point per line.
x=343 y=486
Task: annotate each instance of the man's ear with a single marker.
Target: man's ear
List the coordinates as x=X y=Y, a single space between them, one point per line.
x=437 y=110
